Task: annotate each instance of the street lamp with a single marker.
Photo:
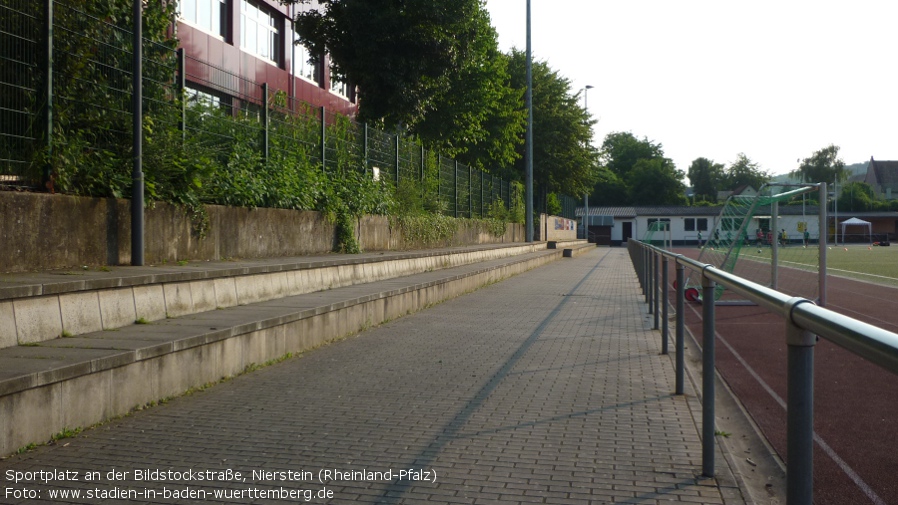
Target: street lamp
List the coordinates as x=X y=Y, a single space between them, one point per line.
x=528 y=149
x=586 y=196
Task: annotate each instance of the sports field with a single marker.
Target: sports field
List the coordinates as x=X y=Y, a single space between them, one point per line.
x=867 y=263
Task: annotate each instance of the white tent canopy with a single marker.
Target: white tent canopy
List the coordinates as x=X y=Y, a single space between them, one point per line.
x=857 y=222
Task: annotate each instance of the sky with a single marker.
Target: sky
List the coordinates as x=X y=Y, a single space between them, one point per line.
x=775 y=80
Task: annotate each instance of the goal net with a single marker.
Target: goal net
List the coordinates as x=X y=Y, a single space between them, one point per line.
x=769 y=239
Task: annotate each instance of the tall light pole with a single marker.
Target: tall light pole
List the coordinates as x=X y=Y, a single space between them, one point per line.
x=586 y=196
x=528 y=149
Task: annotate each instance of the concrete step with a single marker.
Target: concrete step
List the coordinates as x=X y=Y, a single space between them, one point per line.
x=44 y=306
x=50 y=385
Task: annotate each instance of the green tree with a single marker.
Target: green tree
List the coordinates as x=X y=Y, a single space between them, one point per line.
x=655 y=181
x=477 y=118
x=705 y=177
x=856 y=197
x=431 y=67
x=564 y=160
x=822 y=166
x=743 y=172
x=621 y=151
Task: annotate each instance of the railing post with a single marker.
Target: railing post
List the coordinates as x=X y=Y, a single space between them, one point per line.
x=800 y=411
x=138 y=231
x=664 y=302
x=708 y=373
x=681 y=326
x=656 y=258
x=650 y=285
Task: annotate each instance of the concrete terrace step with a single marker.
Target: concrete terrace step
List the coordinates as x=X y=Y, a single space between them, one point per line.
x=51 y=385
x=43 y=306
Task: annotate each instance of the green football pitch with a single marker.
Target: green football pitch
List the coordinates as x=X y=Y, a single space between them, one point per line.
x=862 y=262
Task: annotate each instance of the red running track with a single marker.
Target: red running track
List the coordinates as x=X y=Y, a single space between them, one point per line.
x=855 y=402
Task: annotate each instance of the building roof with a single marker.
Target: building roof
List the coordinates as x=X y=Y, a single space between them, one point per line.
x=631 y=212
x=884 y=173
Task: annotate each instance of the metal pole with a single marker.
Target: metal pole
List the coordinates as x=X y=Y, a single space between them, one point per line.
x=455 y=184
x=528 y=151
x=471 y=192
x=397 y=160
x=48 y=90
x=681 y=326
x=800 y=414
x=182 y=89
x=664 y=302
x=774 y=260
x=821 y=244
x=265 y=123
x=137 y=203
x=365 y=147
x=655 y=277
x=708 y=329
x=323 y=139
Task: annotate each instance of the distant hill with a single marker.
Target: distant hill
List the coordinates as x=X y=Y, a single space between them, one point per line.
x=855 y=169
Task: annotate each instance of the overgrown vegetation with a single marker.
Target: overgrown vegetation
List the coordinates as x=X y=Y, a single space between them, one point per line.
x=198 y=150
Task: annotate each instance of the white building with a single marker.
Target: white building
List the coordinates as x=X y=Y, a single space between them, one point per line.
x=615 y=225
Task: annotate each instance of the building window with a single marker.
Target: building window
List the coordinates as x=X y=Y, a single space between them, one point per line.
x=208 y=15
x=702 y=223
x=665 y=224
x=259 y=32
x=689 y=224
x=339 y=85
x=301 y=62
x=199 y=96
x=693 y=224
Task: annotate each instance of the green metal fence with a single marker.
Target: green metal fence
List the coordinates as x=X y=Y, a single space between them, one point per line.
x=65 y=93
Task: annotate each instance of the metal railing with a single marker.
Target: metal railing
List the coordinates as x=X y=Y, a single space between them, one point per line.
x=803 y=322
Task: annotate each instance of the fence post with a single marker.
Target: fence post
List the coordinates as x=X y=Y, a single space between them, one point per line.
x=323 y=139
x=47 y=66
x=800 y=411
x=708 y=330
x=664 y=301
x=681 y=326
x=265 y=123
x=455 y=183
x=470 y=191
x=439 y=178
x=397 y=160
x=137 y=186
x=365 y=148
x=182 y=90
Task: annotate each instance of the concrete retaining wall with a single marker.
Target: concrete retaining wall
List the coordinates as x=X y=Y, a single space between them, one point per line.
x=48 y=232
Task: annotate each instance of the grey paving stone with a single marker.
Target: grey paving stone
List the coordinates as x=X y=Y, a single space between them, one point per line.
x=544 y=388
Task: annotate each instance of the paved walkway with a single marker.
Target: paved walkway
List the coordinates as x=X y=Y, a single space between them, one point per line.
x=545 y=388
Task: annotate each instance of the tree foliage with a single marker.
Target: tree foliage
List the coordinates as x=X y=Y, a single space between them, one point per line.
x=635 y=172
x=744 y=172
x=822 y=166
x=706 y=177
x=429 y=67
x=655 y=181
x=564 y=159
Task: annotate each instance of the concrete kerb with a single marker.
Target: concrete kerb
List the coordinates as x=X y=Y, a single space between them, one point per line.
x=38 y=404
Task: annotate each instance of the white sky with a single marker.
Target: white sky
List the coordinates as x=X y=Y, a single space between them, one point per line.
x=776 y=80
